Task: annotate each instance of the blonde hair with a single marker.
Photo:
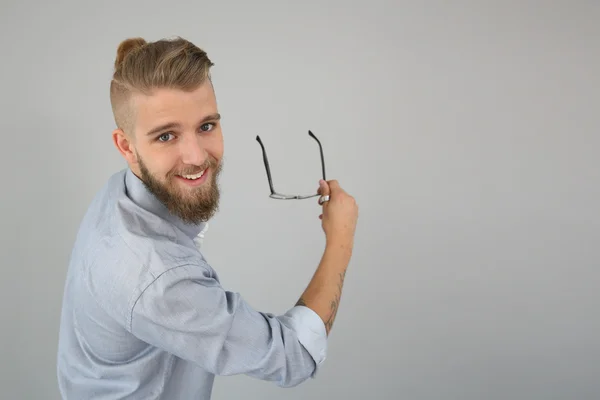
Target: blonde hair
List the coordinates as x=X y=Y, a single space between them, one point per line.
x=141 y=67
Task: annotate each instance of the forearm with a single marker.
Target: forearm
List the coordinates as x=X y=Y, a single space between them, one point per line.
x=324 y=291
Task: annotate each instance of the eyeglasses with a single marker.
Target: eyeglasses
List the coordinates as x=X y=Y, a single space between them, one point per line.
x=280 y=196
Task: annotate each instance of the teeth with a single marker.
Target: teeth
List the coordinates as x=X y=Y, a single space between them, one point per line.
x=199 y=175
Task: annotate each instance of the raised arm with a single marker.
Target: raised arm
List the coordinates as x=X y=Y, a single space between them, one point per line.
x=339 y=217
x=186 y=312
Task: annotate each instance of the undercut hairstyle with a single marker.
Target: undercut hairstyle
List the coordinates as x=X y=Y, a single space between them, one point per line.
x=141 y=67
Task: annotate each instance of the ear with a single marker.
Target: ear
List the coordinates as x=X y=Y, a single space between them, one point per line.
x=124 y=144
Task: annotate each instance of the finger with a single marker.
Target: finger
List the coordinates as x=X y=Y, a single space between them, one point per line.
x=324 y=188
x=335 y=188
x=333 y=185
x=323 y=191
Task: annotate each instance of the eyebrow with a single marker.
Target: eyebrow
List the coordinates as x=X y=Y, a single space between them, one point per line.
x=175 y=125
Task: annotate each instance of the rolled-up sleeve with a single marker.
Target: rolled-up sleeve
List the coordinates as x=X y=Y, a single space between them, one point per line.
x=186 y=312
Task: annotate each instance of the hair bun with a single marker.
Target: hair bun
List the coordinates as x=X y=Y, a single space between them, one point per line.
x=126 y=47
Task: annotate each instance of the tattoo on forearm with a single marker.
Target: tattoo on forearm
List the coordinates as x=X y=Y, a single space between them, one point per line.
x=335 y=303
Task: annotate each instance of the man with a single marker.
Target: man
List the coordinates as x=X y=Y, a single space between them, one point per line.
x=144 y=315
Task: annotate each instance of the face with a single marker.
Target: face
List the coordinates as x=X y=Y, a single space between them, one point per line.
x=177 y=149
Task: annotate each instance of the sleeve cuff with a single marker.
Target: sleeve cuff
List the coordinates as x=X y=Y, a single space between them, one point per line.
x=311 y=333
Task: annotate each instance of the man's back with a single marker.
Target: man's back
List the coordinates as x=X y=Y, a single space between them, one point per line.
x=144 y=315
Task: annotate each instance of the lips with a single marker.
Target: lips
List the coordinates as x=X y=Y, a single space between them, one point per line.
x=193 y=177
x=194 y=180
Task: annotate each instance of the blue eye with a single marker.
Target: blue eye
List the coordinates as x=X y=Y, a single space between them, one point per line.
x=163 y=136
x=204 y=127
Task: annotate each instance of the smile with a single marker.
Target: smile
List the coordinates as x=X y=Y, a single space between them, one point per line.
x=194 y=180
x=194 y=177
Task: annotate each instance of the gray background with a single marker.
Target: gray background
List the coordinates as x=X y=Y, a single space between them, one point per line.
x=467 y=131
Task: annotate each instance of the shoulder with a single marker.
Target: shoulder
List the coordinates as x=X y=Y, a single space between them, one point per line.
x=127 y=266
x=122 y=249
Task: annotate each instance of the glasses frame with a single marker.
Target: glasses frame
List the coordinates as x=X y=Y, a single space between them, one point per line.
x=280 y=196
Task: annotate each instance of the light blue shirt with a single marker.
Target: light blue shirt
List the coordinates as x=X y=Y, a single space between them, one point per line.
x=145 y=317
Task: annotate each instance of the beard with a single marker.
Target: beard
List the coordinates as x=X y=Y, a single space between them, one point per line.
x=194 y=205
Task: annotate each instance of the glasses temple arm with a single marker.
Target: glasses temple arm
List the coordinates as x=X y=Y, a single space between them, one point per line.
x=266 y=164
x=321 y=151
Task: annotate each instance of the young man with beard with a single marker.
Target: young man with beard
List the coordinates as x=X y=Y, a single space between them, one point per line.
x=144 y=315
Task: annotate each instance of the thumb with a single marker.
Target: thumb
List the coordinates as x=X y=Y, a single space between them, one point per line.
x=324 y=189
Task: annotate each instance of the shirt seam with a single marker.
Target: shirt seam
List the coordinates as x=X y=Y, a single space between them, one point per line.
x=146 y=288
x=149 y=284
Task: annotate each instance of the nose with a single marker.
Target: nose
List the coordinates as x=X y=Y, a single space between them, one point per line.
x=192 y=150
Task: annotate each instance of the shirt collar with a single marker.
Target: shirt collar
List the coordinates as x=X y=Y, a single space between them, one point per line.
x=139 y=194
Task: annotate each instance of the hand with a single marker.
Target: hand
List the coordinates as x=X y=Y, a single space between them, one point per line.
x=340 y=213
